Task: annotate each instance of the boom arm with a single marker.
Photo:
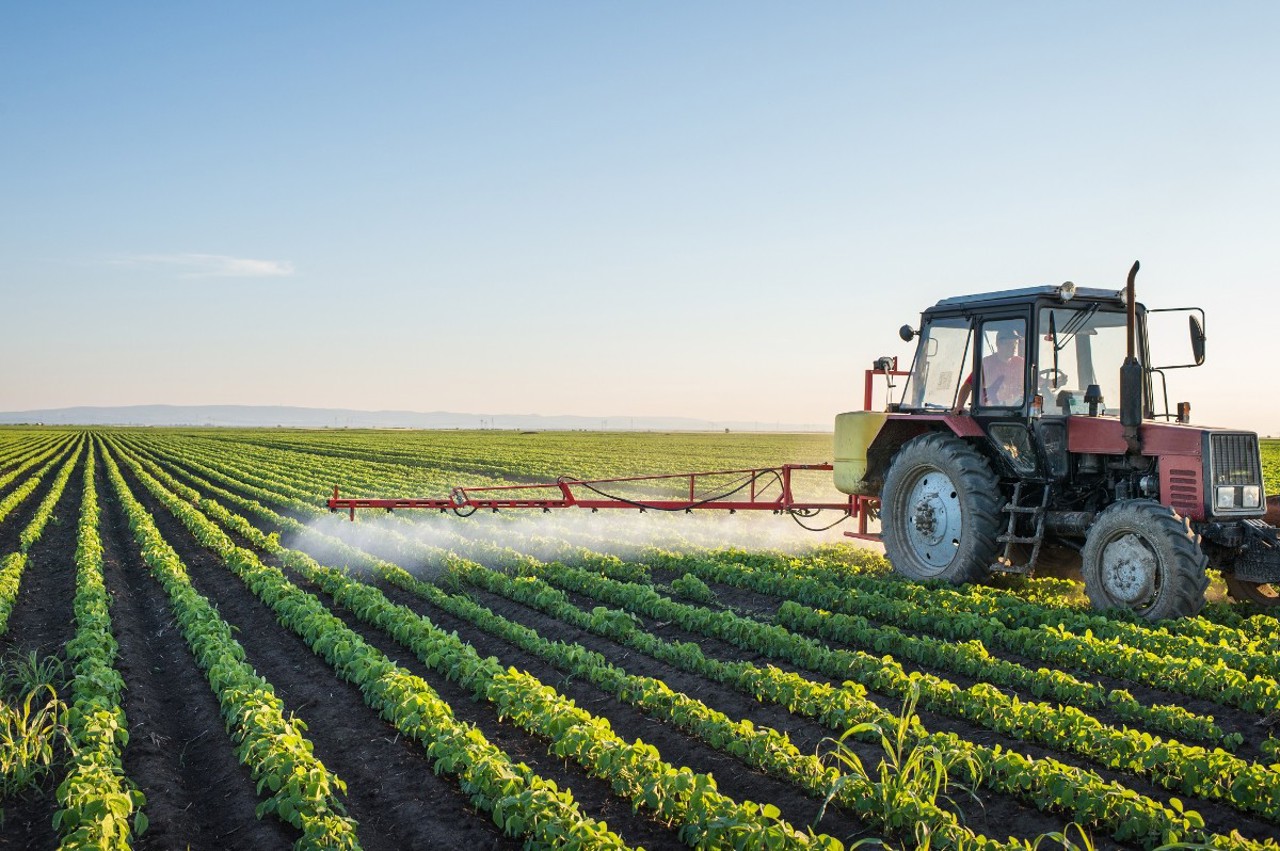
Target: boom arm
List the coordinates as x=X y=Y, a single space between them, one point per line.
x=753 y=490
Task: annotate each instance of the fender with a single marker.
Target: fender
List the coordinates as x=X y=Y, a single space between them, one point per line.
x=897 y=430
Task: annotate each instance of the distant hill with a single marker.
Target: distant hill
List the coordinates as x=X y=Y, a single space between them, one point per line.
x=252 y=416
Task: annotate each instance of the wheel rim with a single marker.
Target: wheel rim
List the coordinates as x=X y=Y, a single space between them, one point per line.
x=1130 y=571
x=934 y=521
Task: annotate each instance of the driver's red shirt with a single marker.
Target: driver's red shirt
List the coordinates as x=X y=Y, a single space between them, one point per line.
x=1002 y=380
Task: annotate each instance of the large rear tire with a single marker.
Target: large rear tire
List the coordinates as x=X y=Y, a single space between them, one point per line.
x=940 y=511
x=1141 y=555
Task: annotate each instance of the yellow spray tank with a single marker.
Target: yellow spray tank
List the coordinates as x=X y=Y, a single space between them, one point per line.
x=855 y=431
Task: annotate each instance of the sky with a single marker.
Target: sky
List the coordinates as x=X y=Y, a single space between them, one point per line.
x=720 y=210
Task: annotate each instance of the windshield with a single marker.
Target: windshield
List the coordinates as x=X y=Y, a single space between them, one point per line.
x=1090 y=347
x=941 y=363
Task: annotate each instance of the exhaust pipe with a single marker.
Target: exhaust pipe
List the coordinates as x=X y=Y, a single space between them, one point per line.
x=1131 y=373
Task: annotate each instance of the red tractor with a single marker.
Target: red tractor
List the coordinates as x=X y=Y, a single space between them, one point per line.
x=1029 y=434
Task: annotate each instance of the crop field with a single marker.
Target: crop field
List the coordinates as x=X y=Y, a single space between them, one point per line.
x=196 y=653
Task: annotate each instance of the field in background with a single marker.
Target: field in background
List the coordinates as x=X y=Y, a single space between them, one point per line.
x=236 y=667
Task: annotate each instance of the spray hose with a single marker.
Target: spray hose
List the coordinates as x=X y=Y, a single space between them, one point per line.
x=775 y=478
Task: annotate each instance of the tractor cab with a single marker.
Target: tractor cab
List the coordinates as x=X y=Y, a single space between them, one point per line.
x=1020 y=362
x=1010 y=359
x=1028 y=352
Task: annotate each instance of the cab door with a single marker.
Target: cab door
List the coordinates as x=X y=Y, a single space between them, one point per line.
x=1001 y=392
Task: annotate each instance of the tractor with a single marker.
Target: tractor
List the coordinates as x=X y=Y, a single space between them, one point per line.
x=1031 y=435
x=1028 y=436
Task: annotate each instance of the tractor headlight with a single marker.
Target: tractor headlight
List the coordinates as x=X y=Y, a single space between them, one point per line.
x=1228 y=497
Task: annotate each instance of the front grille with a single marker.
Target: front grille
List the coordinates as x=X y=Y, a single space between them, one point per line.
x=1234 y=459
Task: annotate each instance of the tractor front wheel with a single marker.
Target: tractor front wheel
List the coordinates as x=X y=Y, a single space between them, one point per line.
x=1141 y=555
x=940 y=511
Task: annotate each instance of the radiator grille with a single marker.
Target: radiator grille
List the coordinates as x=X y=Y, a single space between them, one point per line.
x=1234 y=459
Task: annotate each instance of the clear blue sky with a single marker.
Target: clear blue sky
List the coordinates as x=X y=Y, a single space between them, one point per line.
x=718 y=210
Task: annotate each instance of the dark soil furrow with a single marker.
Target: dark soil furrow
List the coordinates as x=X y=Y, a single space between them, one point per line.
x=179 y=754
x=593 y=795
x=735 y=779
x=42 y=619
x=392 y=791
x=12 y=526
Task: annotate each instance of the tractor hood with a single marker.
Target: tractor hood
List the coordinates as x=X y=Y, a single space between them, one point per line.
x=1205 y=473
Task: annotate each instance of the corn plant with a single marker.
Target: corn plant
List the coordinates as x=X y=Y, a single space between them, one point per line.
x=29 y=733
x=22 y=674
x=909 y=767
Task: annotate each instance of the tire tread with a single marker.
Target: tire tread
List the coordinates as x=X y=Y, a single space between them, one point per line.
x=972 y=474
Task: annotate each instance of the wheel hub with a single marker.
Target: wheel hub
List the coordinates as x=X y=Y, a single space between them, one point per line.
x=1129 y=569
x=933 y=530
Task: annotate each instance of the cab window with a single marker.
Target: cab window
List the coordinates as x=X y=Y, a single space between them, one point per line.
x=942 y=361
x=1003 y=369
x=1080 y=348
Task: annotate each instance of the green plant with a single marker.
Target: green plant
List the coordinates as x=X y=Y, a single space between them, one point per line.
x=908 y=767
x=21 y=673
x=28 y=736
x=692 y=588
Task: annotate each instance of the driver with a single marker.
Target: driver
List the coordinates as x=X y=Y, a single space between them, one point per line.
x=1003 y=373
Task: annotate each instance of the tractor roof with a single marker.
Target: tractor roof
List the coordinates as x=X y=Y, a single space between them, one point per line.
x=1029 y=294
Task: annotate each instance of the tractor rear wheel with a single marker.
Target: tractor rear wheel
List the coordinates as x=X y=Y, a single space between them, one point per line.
x=1261 y=594
x=1141 y=555
x=940 y=510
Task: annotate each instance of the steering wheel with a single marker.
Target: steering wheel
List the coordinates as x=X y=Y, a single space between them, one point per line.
x=1054 y=378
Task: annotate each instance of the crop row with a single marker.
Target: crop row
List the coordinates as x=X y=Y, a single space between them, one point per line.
x=1216 y=774
x=28 y=456
x=1189 y=638
x=100 y=808
x=944 y=613
x=1077 y=731
x=1067 y=780
x=302 y=792
x=13 y=564
x=635 y=770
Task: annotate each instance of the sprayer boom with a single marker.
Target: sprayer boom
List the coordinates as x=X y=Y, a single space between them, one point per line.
x=761 y=489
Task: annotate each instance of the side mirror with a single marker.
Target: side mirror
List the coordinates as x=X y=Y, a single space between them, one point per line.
x=906 y=333
x=1197 y=339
